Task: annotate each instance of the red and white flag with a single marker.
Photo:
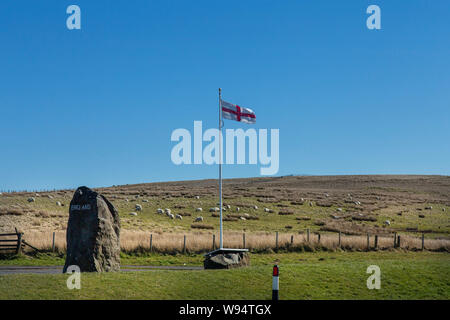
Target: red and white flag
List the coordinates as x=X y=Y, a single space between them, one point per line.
x=234 y=112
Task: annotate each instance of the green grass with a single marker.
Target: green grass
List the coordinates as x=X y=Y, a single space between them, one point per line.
x=436 y=220
x=319 y=275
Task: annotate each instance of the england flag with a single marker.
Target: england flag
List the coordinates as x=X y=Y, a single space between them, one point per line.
x=234 y=112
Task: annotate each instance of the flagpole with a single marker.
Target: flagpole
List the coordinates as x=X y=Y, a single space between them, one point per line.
x=220 y=166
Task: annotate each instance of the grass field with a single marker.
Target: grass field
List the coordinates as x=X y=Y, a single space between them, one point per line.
x=353 y=205
x=319 y=275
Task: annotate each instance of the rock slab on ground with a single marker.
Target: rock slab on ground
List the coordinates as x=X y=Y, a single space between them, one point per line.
x=225 y=260
x=93 y=233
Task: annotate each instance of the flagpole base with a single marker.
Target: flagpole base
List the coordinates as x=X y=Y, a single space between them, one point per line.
x=226 y=258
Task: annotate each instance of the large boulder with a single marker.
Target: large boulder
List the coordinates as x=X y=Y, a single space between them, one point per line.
x=93 y=242
x=226 y=260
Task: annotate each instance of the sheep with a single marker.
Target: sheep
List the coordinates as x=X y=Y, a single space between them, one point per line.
x=327 y=195
x=255 y=207
x=179 y=217
x=58 y=203
x=133 y=214
x=228 y=206
x=443 y=209
x=266 y=210
x=310 y=203
x=31 y=199
x=160 y=211
x=215 y=209
x=197 y=197
x=126 y=200
x=167 y=211
x=171 y=216
x=339 y=209
x=302 y=200
x=199 y=209
x=199 y=219
x=387 y=222
x=429 y=208
x=247 y=215
x=237 y=209
x=138 y=207
x=242 y=218
x=145 y=200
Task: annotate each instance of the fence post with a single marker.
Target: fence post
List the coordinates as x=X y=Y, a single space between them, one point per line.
x=243 y=239
x=318 y=238
x=398 y=241
x=184 y=244
x=368 y=242
x=151 y=242
x=339 y=238
x=307 y=235
x=214 y=242
x=423 y=241
x=53 y=242
x=292 y=240
x=395 y=239
x=376 y=241
x=276 y=240
x=19 y=242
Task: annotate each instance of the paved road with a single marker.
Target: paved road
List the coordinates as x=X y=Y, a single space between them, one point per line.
x=58 y=269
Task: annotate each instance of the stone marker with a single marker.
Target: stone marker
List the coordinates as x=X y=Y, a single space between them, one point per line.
x=93 y=231
x=226 y=260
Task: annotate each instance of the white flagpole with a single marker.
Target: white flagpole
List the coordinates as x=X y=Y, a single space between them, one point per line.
x=220 y=166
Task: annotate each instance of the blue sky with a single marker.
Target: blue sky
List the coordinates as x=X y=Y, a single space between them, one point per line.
x=97 y=106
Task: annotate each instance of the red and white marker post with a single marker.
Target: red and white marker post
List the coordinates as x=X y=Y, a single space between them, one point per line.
x=275 y=283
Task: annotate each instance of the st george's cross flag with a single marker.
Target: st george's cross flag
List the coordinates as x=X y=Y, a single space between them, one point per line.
x=234 y=112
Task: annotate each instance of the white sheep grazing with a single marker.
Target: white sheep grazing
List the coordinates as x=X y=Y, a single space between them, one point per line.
x=133 y=214
x=247 y=215
x=215 y=209
x=266 y=210
x=197 y=197
x=138 y=207
x=160 y=211
x=387 y=222
x=255 y=207
x=145 y=200
x=179 y=217
x=310 y=204
x=171 y=216
x=339 y=209
x=168 y=211
x=31 y=199
x=237 y=209
x=302 y=200
x=228 y=206
x=58 y=203
x=242 y=218
x=199 y=219
x=199 y=209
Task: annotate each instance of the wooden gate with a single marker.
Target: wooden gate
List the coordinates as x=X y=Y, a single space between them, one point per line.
x=11 y=242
